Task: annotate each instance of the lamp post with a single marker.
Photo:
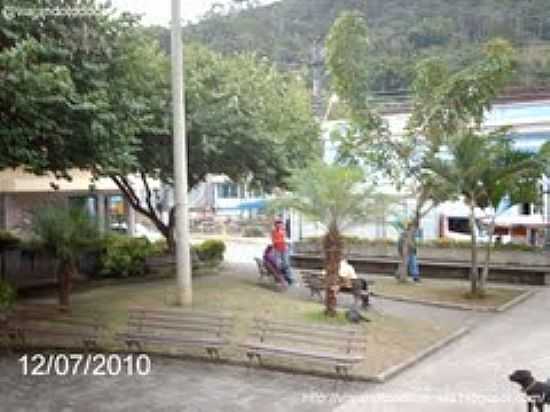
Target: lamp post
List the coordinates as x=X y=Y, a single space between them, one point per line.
x=184 y=295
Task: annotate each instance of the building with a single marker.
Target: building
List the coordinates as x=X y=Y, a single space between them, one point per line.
x=524 y=223
x=220 y=196
x=22 y=193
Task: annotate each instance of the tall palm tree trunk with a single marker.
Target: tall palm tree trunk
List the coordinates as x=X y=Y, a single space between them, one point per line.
x=332 y=244
x=474 y=271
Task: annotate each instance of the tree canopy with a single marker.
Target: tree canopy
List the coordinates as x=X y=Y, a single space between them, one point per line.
x=93 y=93
x=55 y=107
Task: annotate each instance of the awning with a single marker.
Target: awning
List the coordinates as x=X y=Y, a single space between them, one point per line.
x=253 y=205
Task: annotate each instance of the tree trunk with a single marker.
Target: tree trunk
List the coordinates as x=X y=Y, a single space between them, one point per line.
x=403 y=270
x=474 y=272
x=332 y=244
x=65 y=275
x=485 y=274
x=147 y=208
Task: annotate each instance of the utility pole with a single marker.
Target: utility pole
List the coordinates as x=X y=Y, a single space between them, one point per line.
x=183 y=259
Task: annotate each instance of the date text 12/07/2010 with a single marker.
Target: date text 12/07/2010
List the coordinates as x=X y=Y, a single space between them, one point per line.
x=63 y=364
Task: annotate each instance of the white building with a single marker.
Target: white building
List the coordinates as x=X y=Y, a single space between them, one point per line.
x=523 y=223
x=223 y=197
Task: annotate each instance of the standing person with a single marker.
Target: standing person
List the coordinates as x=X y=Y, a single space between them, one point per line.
x=278 y=240
x=412 y=263
x=414 y=270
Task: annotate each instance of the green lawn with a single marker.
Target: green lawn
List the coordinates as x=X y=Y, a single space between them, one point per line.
x=390 y=340
x=445 y=291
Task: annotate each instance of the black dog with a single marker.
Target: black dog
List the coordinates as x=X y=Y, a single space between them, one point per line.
x=538 y=393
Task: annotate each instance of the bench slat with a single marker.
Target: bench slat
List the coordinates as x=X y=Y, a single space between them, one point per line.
x=175 y=339
x=284 y=338
x=333 y=356
x=307 y=327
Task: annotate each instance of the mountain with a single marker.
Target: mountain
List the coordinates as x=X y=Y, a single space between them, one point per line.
x=402 y=32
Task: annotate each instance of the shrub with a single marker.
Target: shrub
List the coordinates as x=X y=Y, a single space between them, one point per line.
x=8 y=240
x=160 y=247
x=211 y=250
x=7 y=296
x=125 y=256
x=253 y=231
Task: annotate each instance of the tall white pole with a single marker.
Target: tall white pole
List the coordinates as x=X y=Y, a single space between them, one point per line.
x=183 y=259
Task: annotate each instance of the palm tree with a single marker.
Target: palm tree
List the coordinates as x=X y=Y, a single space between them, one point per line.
x=337 y=197
x=482 y=168
x=64 y=234
x=510 y=179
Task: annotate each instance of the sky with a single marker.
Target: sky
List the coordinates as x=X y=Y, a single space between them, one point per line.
x=158 y=11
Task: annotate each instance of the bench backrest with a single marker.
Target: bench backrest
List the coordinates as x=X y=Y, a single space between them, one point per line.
x=313 y=279
x=334 y=339
x=25 y=316
x=179 y=322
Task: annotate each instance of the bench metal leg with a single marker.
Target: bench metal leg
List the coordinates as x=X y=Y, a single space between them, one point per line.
x=90 y=345
x=250 y=357
x=134 y=343
x=213 y=353
x=342 y=371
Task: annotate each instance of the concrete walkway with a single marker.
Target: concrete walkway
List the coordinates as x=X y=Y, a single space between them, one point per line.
x=472 y=374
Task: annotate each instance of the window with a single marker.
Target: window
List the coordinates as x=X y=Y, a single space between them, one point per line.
x=525 y=209
x=228 y=191
x=459 y=225
x=86 y=203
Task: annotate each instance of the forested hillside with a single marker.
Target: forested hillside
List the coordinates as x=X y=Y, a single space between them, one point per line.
x=401 y=33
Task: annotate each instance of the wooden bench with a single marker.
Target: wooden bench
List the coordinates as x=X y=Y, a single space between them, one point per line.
x=190 y=328
x=30 y=323
x=339 y=347
x=315 y=281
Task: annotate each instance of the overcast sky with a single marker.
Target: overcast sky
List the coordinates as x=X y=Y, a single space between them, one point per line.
x=158 y=11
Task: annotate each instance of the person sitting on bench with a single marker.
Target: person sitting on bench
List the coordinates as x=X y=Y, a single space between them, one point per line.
x=347 y=276
x=270 y=262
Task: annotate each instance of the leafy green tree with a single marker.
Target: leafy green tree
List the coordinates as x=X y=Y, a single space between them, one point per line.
x=244 y=119
x=93 y=93
x=55 y=113
x=65 y=234
x=347 y=58
x=337 y=197
x=443 y=104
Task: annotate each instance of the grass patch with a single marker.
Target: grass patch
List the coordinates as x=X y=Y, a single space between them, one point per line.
x=453 y=292
x=389 y=339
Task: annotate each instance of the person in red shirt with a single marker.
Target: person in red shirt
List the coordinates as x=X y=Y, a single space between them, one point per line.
x=280 y=247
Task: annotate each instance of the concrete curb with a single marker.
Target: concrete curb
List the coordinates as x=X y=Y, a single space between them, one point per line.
x=457 y=306
x=397 y=369
x=516 y=301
